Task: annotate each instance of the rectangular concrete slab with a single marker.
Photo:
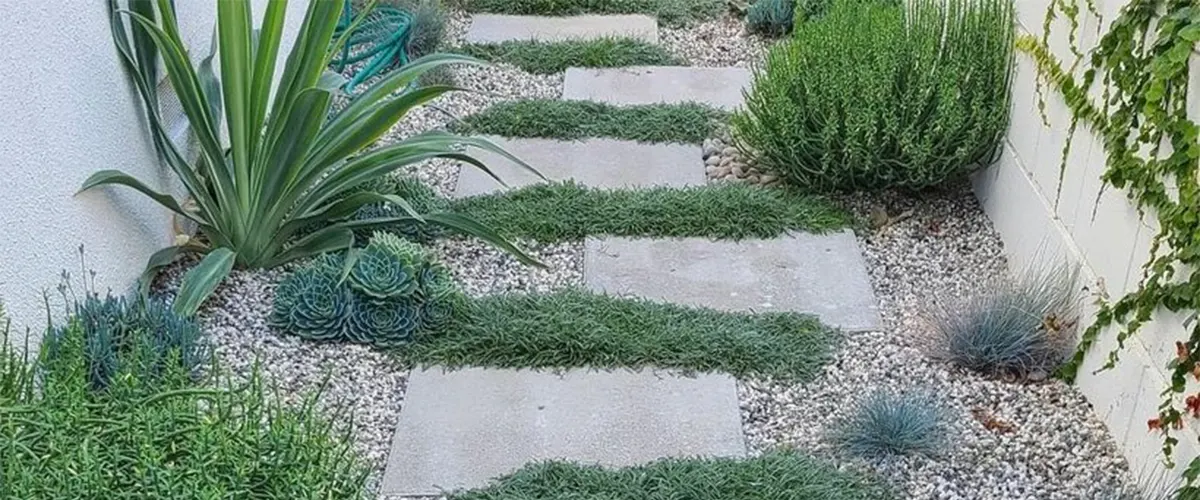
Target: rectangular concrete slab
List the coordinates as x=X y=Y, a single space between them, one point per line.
x=823 y=275
x=459 y=429
x=604 y=163
x=718 y=87
x=490 y=28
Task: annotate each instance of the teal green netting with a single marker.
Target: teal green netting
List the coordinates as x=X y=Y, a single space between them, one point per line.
x=381 y=40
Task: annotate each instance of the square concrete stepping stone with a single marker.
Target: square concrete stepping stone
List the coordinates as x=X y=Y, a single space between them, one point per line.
x=460 y=429
x=717 y=87
x=604 y=163
x=818 y=274
x=491 y=28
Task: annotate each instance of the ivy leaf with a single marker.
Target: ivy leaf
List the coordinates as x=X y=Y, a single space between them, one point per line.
x=1191 y=33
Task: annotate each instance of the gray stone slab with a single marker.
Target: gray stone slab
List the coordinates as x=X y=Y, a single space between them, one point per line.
x=459 y=429
x=489 y=28
x=595 y=162
x=823 y=275
x=718 y=87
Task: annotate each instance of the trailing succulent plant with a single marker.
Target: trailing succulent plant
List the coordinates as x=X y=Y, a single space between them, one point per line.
x=771 y=17
x=421 y=197
x=391 y=292
x=140 y=336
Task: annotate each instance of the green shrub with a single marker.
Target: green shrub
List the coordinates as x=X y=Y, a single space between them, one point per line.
x=291 y=161
x=874 y=96
x=555 y=57
x=160 y=437
x=771 y=17
x=1018 y=328
x=771 y=476
x=887 y=423
x=393 y=292
x=574 y=120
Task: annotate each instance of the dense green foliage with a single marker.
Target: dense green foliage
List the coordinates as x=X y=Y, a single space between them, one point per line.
x=771 y=17
x=572 y=120
x=391 y=292
x=1013 y=329
x=1142 y=68
x=555 y=57
x=886 y=423
x=290 y=162
x=773 y=476
x=154 y=435
x=873 y=96
x=669 y=12
x=568 y=211
x=577 y=329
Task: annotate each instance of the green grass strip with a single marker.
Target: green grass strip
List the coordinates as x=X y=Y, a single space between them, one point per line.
x=555 y=57
x=569 y=211
x=573 y=120
x=577 y=329
x=668 y=12
x=773 y=476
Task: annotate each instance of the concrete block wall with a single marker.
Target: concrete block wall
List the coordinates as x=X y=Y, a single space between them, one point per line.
x=70 y=111
x=1037 y=215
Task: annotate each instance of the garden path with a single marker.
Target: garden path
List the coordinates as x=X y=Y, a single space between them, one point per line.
x=459 y=429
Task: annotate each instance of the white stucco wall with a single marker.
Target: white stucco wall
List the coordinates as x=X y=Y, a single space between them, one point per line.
x=69 y=111
x=1036 y=215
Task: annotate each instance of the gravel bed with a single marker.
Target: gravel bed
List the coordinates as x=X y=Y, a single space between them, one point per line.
x=1041 y=441
x=720 y=42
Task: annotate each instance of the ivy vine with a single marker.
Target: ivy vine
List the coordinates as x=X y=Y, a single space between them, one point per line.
x=1141 y=68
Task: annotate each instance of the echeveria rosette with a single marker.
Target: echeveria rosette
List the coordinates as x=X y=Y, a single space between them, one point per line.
x=440 y=298
x=313 y=302
x=383 y=323
x=422 y=198
x=387 y=268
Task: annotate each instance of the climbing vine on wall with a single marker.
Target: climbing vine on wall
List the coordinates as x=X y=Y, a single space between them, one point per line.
x=1140 y=68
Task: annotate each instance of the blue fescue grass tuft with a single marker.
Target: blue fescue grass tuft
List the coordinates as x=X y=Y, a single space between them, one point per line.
x=889 y=423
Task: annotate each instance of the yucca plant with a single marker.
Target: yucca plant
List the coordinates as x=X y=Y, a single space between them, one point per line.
x=292 y=162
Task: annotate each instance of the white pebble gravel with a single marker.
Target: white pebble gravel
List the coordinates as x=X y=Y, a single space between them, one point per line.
x=720 y=42
x=1044 y=441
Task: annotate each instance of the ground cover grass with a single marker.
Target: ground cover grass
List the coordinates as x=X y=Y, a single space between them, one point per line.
x=555 y=57
x=569 y=211
x=769 y=477
x=576 y=329
x=573 y=120
x=668 y=12
x=114 y=408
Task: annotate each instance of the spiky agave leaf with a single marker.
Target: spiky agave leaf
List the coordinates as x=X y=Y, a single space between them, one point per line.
x=384 y=323
x=313 y=302
x=387 y=268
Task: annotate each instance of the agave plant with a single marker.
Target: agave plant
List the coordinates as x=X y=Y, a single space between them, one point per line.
x=291 y=161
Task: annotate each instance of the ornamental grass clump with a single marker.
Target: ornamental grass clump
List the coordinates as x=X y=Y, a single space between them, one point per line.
x=1021 y=328
x=292 y=160
x=771 y=17
x=385 y=296
x=887 y=423
x=874 y=96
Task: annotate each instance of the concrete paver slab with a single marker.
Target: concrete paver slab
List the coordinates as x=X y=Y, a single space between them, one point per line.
x=492 y=28
x=594 y=162
x=819 y=274
x=718 y=87
x=459 y=429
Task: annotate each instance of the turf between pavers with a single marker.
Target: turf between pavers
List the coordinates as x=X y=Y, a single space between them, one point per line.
x=555 y=57
x=569 y=211
x=576 y=328
x=769 y=477
x=572 y=120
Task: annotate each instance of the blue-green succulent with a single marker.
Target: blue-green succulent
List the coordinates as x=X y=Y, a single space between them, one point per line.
x=422 y=198
x=314 y=302
x=388 y=268
x=383 y=323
